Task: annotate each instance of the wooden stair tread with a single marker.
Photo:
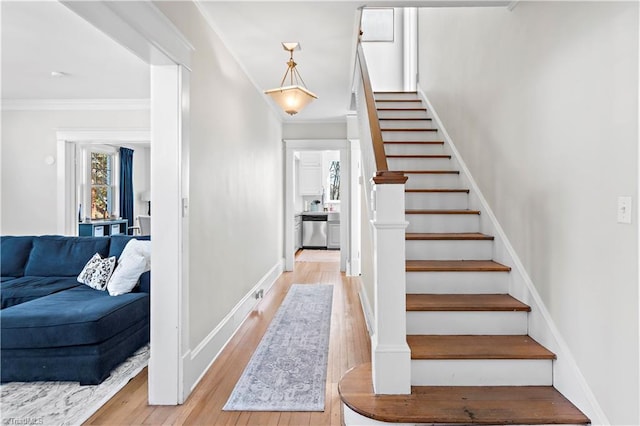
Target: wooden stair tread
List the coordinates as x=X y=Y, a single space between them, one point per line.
x=401 y=92
x=455 y=266
x=430 y=156
x=430 y=172
x=416 y=142
x=409 y=130
x=465 y=302
x=458 y=404
x=476 y=347
x=436 y=190
x=398 y=100
x=401 y=109
x=405 y=119
x=474 y=212
x=453 y=236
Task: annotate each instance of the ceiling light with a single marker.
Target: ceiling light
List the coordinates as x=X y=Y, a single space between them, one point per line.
x=57 y=74
x=295 y=96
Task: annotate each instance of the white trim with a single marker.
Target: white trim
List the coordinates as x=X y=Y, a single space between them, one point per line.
x=292 y=145
x=568 y=378
x=104 y=135
x=140 y=27
x=389 y=225
x=316 y=144
x=75 y=104
x=512 y=5
x=198 y=361
x=366 y=309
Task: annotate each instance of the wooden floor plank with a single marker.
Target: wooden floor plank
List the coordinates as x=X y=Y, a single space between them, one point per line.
x=459 y=404
x=349 y=345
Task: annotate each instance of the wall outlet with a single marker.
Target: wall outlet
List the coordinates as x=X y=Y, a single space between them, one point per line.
x=624 y=209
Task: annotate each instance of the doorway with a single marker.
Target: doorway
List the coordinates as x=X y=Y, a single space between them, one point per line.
x=307 y=194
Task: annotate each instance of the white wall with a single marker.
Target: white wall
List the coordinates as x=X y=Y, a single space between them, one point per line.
x=29 y=191
x=542 y=103
x=385 y=59
x=236 y=179
x=307 y=130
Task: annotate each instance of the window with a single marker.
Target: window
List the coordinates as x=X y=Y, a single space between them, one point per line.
x=101 y=185
x=98 y=170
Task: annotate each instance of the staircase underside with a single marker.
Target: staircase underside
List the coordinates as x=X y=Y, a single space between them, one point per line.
x=488 y=405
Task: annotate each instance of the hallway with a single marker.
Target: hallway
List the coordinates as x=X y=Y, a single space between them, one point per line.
x=349 y=346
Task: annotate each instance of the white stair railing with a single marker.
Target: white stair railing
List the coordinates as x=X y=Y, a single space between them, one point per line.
x=391 y=356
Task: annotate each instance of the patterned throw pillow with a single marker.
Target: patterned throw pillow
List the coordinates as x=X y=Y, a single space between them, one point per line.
x=97 y=271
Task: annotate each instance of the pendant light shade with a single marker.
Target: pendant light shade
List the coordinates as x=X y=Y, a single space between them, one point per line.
x=295 y=96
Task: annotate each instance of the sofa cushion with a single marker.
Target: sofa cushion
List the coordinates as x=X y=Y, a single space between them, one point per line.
x=14 y=253
x=58 y=256
x=119 y=242
x=78 y=316
x=24 y=289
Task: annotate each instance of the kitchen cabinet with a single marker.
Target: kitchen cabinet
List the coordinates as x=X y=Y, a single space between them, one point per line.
x=311 y=159
x=333 y=235
x=310 y=180
x=310 y=177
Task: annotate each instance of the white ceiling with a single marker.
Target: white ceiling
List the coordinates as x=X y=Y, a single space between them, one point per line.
x=44 y=36
x=326 y=31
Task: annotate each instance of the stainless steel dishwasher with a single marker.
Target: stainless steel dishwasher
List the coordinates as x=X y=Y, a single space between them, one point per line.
x=314 y=231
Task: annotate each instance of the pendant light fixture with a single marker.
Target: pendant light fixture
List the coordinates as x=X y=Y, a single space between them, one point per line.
x=295 y=96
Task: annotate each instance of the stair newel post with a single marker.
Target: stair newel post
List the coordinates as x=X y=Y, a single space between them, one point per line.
x=391 y=356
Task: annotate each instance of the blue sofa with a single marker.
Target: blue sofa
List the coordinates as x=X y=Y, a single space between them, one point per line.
x=54 y=328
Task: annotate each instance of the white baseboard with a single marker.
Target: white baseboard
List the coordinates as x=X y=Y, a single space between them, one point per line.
x=366 y=310
x=567 y=377
x=196 y=362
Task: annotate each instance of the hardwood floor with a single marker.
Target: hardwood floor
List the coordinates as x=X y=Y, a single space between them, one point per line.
x=349 y=346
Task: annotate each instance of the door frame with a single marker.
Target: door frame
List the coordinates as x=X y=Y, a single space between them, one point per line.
x=297 y=145
x=144 y=30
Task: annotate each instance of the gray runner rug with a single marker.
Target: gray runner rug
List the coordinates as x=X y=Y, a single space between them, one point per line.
x=288 y=370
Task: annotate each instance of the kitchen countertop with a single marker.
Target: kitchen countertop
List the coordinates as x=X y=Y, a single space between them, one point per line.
x=331 y=216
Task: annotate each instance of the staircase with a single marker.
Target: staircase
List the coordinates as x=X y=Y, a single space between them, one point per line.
x=472 y=361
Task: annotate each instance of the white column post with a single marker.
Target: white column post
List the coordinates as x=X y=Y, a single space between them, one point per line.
x=391 y=356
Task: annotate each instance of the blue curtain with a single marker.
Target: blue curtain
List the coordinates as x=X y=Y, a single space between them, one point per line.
x=126 y=184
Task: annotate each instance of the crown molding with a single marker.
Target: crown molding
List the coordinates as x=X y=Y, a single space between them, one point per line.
x=75 y=104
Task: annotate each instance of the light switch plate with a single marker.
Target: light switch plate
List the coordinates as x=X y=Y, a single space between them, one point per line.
x=624 y=209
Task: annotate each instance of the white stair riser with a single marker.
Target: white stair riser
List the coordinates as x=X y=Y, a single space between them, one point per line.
x=420 y=164
x=430 y=223
x=398 y=105
x=406 y=124
x=457 y=282
x=449 y=249
x=410 y=136
x=413 y=149
x=466 y=323
x=403 y=114
x=436 y=200
x=482 y=372
x=395 y=96
x=432 y=181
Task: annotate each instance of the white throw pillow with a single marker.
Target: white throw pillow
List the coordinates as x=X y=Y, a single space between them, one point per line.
x=97 y=271
x=133 y=262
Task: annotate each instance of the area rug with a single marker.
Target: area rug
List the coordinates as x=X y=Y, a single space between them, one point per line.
x=65 y=403
x=288 y=370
